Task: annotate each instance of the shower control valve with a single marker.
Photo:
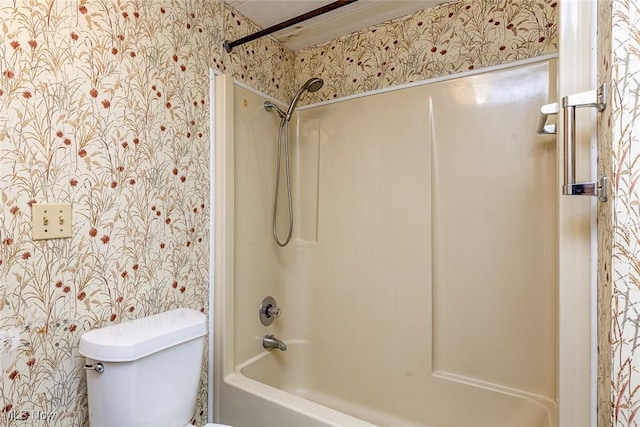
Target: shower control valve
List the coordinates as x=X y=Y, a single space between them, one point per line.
x=269 y=310
x=273 y=311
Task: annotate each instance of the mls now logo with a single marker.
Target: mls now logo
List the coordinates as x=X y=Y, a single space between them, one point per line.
x=15 y=415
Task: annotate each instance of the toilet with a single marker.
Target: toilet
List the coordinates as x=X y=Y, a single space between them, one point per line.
x=146 y=372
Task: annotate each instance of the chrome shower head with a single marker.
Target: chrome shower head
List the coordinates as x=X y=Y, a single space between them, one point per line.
x=312 y=85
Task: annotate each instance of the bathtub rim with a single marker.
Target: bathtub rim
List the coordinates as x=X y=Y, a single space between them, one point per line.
x=290 y=402
x=271 y=393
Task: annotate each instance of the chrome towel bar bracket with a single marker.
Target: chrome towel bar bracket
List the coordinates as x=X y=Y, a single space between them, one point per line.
x=595 y=99
x=546 y=111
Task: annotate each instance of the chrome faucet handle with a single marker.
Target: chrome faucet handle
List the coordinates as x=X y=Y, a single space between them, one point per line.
x=268 y=311
x=273 y=311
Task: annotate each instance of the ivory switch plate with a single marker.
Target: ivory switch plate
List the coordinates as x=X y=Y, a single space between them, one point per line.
x=51 y=220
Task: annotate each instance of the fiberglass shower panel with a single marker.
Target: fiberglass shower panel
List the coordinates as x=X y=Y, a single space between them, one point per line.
x=420 y=285
x=434 y=275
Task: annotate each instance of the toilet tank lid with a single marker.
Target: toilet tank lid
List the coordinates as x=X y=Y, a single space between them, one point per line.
x=138 y=338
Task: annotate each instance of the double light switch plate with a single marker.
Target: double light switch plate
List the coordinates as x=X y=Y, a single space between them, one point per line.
x=51 y=220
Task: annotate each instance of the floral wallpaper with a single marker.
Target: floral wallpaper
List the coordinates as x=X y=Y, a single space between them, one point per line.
x=622 y=65
x=447 y=39
x=104 y=105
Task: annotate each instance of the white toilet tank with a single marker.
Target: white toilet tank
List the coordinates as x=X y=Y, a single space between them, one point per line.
x=151 y=370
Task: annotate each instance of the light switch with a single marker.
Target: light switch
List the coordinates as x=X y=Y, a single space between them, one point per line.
x=51 y=220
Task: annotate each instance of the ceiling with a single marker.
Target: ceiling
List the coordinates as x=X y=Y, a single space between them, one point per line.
x=344 y=20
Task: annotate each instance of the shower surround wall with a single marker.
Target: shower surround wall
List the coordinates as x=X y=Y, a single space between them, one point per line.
x=386 y=272
x=104 y=105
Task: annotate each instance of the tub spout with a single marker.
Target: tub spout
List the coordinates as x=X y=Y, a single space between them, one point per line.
x=270 y=342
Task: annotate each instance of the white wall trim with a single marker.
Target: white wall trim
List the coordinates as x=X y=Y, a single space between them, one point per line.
x=527 y=61
x=212 y=245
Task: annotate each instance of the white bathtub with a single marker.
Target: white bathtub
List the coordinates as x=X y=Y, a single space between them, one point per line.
x=279 y=392
x=272 y=406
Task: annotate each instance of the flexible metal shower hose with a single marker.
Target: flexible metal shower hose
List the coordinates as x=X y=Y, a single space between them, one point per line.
x=283 y=134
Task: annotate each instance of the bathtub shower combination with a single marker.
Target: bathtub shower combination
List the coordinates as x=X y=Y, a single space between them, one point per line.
x=419 y=286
